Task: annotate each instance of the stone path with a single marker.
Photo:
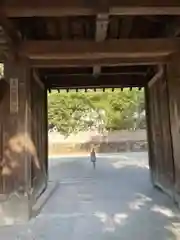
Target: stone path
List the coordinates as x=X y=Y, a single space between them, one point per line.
x=115 y=201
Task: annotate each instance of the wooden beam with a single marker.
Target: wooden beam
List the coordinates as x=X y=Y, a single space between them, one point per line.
x=138 y=70
x=57 y=63
x=90 y=81
x=126 y=48
x=26 y=8
x=157 y=76
x=11 y=34
x=145 y=7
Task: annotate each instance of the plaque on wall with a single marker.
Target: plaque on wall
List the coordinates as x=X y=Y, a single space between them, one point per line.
x=13 y=95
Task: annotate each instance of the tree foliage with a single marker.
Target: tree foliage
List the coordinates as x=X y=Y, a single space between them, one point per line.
x=73 y=112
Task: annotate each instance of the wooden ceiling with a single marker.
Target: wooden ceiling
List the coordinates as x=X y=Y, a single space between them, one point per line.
x=82 y=77
x=84 y=27
x=86 y=37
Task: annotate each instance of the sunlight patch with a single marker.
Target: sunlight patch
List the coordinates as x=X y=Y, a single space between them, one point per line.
x=110 y=222
x=9 y=221
x=163 y=210
x=175 y=231
x=102 y=216
x=121 y=164
x=139 y=202
x=119 y=218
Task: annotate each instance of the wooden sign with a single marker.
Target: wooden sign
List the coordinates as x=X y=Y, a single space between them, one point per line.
x=13 y=95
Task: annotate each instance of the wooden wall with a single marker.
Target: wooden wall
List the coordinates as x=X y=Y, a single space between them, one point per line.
x=14 y=126
x=23 y=131
x=23 y=140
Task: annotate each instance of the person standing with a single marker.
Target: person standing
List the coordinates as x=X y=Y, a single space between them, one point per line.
x=93 y=158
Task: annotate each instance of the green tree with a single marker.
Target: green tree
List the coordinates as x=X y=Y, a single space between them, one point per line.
x=73 y=112
x=69 y=112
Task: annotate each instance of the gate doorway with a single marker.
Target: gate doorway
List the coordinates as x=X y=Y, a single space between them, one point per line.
x=110 y=121
x=159 y=135
x=73 y=44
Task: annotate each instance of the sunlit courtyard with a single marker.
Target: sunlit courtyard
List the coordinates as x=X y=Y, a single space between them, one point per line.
x=115 y=201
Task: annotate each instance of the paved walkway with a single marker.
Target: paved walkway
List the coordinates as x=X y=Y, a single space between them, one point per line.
x=116 y=201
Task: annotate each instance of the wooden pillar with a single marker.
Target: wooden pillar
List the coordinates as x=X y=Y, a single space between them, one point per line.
x=17 y=147
x=23 y=141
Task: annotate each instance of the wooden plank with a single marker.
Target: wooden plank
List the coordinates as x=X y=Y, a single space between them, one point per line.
x=56 y=63
x=16 y=8
x=124 y=48
x=85 y=80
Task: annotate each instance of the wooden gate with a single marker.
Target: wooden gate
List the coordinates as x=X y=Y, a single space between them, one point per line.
x=39 y=136
x=173 y=76
x=159 y=133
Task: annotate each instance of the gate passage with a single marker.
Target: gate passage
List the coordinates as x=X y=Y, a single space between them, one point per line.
x=77 y=44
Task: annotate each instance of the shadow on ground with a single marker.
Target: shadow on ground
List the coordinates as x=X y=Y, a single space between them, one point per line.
x=116 y=201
